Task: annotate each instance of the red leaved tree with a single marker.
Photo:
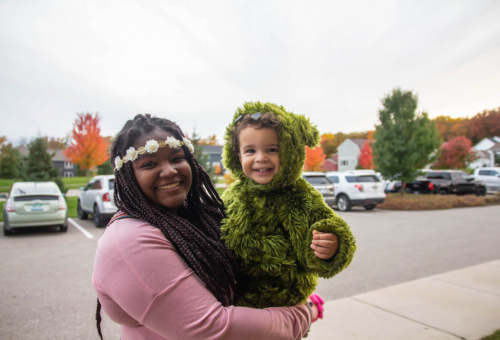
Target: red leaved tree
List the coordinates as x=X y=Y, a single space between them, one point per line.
x=365 y=159
x=314 y=159
x=88 y=148
x=456 y=153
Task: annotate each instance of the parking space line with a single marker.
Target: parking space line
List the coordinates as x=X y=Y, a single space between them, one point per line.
x=79 y=227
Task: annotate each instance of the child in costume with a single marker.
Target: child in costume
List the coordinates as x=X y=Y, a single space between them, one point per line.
x=272 y=211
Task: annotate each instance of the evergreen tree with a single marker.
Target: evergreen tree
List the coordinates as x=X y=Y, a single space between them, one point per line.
x=10 y=162
x=404 y=141
x=38 y=166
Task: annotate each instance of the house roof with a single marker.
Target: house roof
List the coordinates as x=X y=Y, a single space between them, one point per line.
x=217 y=149
x=331 y=160
x=58 y=156
x=360 y=142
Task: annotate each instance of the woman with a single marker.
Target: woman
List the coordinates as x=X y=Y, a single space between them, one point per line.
x=161 y=270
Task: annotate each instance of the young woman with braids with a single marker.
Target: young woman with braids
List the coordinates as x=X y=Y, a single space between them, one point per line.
x=161 y=270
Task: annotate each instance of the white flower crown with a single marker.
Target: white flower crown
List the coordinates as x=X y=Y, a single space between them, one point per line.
x=151 y=147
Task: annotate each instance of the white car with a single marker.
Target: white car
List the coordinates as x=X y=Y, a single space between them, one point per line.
x=34 y=204
x=97 y=200
x=357 y=187
x=491 y=176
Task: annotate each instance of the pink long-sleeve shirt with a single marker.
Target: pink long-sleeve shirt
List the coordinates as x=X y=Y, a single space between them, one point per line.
x=146 y=287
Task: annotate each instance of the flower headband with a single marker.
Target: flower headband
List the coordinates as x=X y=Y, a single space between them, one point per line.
x=151 y=147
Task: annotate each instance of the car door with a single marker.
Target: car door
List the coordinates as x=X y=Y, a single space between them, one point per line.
x=85 y=196
x=94 y=193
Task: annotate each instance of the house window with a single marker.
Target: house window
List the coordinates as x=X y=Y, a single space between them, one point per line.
x=68 y=165
x=344 y=162
x=68 y=174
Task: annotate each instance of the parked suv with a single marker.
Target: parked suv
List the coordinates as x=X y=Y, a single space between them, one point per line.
x=491 y=176
x=357 y=188
x=97 y=200
x=319 y=181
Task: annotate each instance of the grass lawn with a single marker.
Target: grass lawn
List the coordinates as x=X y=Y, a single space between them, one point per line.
x=71 y=202
x=494 y=336
x=434 y=202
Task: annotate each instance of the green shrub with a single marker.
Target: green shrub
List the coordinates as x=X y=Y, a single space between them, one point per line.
x=1 y=210
x=71 y=202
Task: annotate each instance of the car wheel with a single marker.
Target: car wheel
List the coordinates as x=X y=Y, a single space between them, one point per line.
x=7 y=232
x=344 y=203
x=82 y=215
x=480 y=192
x=63 y=228
x=370 y=206
x=442 y=192
x=98 y=221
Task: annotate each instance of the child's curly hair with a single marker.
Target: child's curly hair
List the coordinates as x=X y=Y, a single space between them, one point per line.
x=268 y=120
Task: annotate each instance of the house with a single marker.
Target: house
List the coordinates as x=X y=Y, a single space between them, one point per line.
x=215 y=156
x=331 y=164
x=348 y=153
x=485 y=152
x=60 y=162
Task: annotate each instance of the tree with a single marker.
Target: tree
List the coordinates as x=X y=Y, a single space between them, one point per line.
x=314 y=159
x=485 y=124
x=365 y=159
x=10 y=161
x=56 y=143
x=404 y=141
x=38 y=166
x=88 y=148
x=211 y=140
x=457 y=153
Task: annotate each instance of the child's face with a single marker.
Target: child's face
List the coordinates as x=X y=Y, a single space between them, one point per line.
x=259 y=153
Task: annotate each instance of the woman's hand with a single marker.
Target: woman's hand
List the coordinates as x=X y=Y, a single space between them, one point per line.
x=325 y=245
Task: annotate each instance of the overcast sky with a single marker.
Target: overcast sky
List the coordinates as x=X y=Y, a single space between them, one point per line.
x=195 y=62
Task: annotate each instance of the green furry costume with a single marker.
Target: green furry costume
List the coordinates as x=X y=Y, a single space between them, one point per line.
x=269 y=226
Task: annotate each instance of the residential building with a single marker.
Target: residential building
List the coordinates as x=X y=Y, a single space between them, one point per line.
x=331 y=164
x=60 y=162
x=215 y=156
x=485 y=152
x=348 y=153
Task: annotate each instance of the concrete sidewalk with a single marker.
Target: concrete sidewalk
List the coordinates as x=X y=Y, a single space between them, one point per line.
x=463 y=304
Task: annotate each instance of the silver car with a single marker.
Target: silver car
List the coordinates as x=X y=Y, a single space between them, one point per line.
x=319 y=181
x=96 y=199
x=34 y=204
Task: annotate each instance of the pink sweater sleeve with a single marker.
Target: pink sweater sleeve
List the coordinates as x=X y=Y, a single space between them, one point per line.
x=141 y=280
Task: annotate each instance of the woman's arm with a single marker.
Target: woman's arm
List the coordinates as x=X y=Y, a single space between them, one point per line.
x=140 y=271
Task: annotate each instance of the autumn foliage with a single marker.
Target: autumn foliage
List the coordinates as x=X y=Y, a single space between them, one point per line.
x=365 y=159
x=88 y=148
x=457 y=153
x=314 y=159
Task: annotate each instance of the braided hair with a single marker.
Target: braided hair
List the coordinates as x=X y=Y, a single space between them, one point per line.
x=195 y=231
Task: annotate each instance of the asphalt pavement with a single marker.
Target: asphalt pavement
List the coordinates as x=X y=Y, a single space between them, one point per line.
x=46 y=288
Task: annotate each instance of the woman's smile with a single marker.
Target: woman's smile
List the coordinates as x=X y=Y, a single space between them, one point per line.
x=164 y=176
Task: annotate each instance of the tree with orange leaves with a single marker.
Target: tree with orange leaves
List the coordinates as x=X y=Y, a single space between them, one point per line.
x=314 y=159
x=365 y=159
x=88 y=148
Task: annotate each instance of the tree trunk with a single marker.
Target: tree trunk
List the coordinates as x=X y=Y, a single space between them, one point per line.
x=403 y=188
x=87 y=176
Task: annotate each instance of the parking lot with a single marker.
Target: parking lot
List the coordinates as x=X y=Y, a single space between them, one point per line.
x=47 y=292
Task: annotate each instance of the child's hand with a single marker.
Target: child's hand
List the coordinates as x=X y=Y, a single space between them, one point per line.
x=325 y=245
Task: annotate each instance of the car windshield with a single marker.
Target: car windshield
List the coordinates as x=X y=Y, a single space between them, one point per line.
x=362 y=179
x=318 y=180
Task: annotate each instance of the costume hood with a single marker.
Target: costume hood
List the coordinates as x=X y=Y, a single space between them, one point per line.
x=294 y=133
